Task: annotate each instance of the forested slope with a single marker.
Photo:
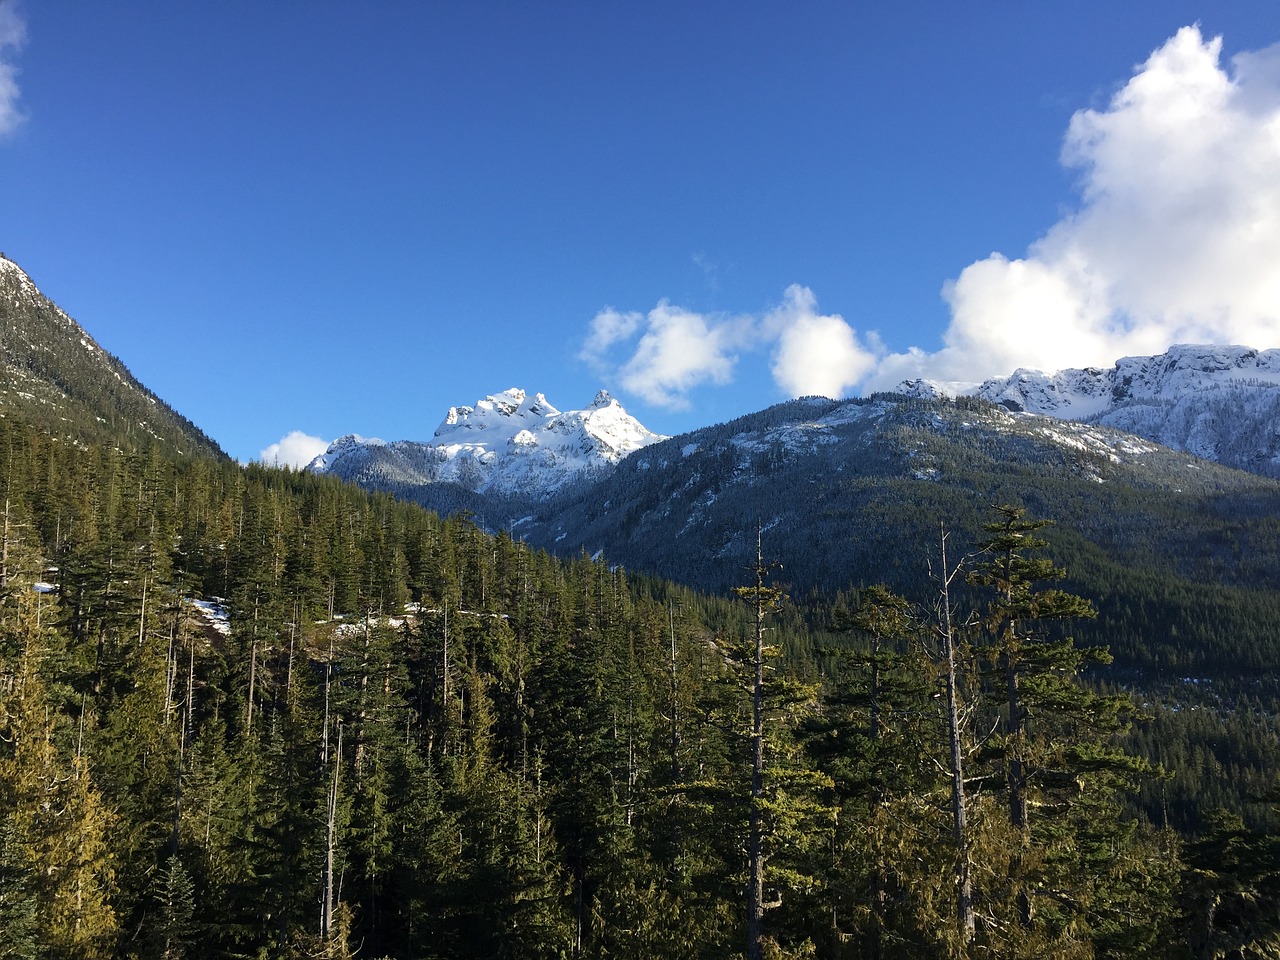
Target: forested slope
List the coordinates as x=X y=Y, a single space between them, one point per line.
x=417 y=740
x=1181 y=555
x=53 y=373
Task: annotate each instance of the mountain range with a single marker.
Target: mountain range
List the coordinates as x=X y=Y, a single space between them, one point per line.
x=844 y=491
x=509 y=453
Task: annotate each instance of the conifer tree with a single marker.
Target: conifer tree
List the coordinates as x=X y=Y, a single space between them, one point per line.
x=52 y=817
x=785 y=812
x=1054 y=745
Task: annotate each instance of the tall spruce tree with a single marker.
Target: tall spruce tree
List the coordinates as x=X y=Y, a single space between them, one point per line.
x=1064 y=779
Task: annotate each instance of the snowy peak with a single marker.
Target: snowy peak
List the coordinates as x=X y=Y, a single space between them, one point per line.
x=508 y=411
x=507 y=443
x=1183 y=369
x=1217 y=402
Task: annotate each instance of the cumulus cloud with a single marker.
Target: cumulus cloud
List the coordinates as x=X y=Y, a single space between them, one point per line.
x=13 y=36
x=1175 y=240
x=815 y=354
x=676 y=351
x=673 y=350
x=295 y=449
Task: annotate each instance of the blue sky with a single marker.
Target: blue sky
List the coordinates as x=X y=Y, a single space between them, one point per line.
x=338 y=217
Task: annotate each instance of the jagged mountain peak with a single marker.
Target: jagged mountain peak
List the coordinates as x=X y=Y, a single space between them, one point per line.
x=508 y=443
x=497 y=411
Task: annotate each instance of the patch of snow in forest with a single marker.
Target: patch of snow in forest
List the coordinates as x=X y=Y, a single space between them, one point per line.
x=214 y=614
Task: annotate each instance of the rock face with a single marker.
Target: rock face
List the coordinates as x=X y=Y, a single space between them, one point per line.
x=508 y=444
x=1217 y=402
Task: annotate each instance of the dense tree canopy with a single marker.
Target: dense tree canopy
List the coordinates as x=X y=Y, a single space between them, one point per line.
x=412 y=739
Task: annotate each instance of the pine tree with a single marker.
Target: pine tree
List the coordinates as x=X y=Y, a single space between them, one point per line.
x=173 y=929
x=1055 y=745
x=785 y=811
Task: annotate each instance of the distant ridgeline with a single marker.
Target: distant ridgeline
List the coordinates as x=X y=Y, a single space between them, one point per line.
x=58 y=376
x=1218 y=402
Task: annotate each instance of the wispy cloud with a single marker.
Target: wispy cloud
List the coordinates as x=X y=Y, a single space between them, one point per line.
x=295 y=449
x=13 y=36
x=1175 y=239
x=710 y=270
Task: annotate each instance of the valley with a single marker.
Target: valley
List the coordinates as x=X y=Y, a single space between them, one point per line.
x=551 y=685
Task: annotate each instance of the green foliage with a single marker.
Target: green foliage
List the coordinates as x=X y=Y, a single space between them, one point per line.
x=538 y=758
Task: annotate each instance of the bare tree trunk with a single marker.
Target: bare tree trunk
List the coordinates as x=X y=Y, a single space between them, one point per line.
x=675 y=702
x=4 y=549
x=959 y=811
x=1016 y=779
x=328 y=673
x=755 y=842
x=331 y=840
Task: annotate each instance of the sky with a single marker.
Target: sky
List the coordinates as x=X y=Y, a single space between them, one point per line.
x=297 y=220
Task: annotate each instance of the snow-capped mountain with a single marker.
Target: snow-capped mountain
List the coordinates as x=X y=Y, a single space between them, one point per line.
x=1217 y=402
x=508 y=444
x=855 y=489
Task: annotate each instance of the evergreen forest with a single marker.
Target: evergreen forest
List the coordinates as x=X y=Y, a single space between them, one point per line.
x=255 y=713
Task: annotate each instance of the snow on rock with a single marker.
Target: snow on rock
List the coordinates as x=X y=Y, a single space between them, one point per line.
x=214 y=614
x=1183 y=369
x=343 y=449
x=507 y=443
x=1217 y=402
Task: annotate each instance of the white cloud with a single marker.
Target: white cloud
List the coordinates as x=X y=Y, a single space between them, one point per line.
x=815 y=354
x=1176 y=239
x=677 y=350
x=607 y=328
x=295 y=449
x=13 y=36
x=680 y=349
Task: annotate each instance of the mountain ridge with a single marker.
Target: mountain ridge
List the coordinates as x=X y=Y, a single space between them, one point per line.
x=1220 y=402
x=811 y=473
x=58 y=375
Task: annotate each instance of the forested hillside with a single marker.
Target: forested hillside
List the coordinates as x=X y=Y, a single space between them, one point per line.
x=1180 y=554
x=412 y=739
x=55 y=375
